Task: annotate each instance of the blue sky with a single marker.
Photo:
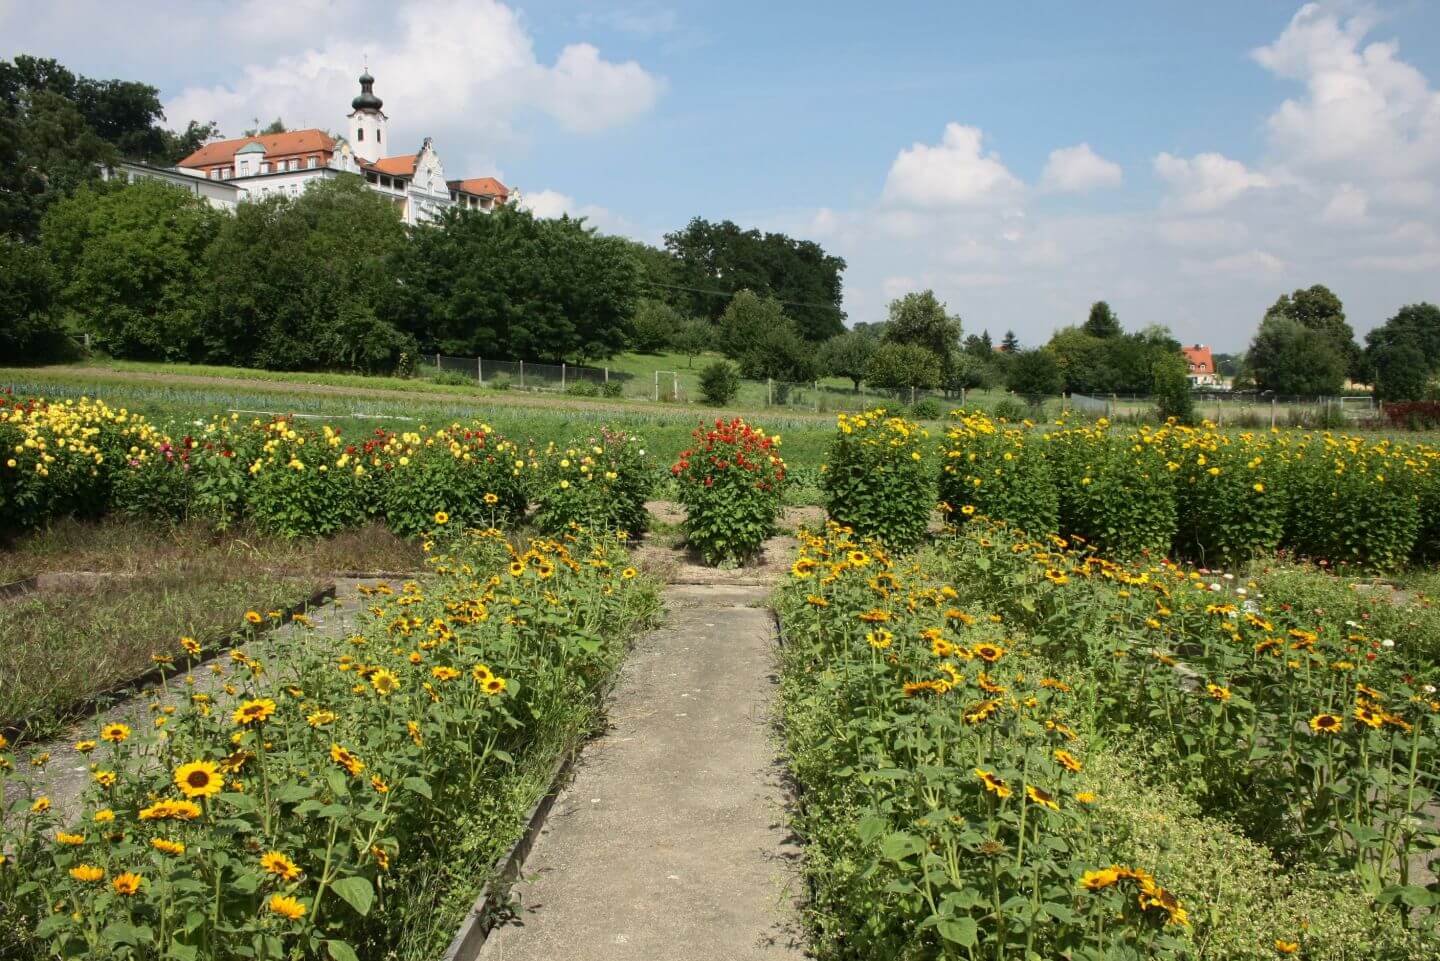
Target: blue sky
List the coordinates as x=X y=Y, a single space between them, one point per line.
x=1187 y=162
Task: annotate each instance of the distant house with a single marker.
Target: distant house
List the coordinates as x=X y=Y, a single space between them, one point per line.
x=1201 y=366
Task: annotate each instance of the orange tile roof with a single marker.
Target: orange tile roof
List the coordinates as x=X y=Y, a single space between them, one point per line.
x=401 y=166
x=481 y=187
x=275 y=144
x=1199 y=359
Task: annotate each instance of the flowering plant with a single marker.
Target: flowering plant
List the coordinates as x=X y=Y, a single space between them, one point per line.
x=876 y=480
x=731 y=482
x=599 y=483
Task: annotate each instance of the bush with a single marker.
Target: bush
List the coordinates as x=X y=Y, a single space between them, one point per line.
x=294 y=493
x=582 y=388
x=1116 y=490
x=876 y=480
x=999 y=473
x=598 y=483
x=612 y=389
x=1352 y=502
x=1009 y=409
x=719 y=383
x=452 y=378
x=1231 y=496
x=927 y=408
x=472 y=475
x=499 y=383
x=731 y=481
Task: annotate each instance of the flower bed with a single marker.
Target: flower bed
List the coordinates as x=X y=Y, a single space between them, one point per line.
x=313 y=808
x=85 y=458
x=1009 y=747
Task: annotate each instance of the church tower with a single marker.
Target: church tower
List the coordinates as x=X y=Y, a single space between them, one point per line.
x=367 y=122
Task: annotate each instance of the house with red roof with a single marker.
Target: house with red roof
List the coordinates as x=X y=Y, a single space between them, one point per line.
x=1201 y=366
x=282 y=164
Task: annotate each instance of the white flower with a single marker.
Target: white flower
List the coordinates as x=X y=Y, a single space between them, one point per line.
x=1228 y=577
x=1214 y=587
x=1241 y=591
x=1429 y=688
x=1387 y=643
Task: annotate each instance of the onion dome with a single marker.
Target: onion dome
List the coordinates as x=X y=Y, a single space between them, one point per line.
x=367 y=99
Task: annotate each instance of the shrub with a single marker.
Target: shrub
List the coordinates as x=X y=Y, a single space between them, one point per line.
x=719 y=383
x=1231 y=495
x=294 y=492
x=1001 y=473
x=472 y=475
x=876 y=480
x=1009 y=409
x=582 y=388
x=612 y=389
x=731 y=481
x=927 y=408
x=1116 y=490
x=1353 y=502
x=452 y=378
x=599 y=483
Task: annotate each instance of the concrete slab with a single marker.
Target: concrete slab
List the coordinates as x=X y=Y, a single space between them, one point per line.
x=670 y=842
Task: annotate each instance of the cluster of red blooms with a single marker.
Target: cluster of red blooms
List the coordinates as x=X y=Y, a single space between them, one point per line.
x=735 y=444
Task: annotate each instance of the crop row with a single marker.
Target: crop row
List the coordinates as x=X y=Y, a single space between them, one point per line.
x=298 y=805
x=1011 y=747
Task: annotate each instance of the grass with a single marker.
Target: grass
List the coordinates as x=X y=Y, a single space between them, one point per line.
x=161 y=584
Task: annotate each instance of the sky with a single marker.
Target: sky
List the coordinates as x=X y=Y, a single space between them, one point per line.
x=1187 y=163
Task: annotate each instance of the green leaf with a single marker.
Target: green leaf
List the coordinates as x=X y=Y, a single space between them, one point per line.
x=356 y=892
x=340 y=951
x=183 y=952
x=899 y=846
x=960 y=930
x=869 y=828
x=419 y=785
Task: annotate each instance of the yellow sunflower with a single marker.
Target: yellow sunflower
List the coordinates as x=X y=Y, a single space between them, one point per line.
x=288 y=908
x=199 y=779
x=274 y=862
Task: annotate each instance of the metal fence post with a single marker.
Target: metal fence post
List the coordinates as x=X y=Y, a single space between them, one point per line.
x=437 y=361
x=522 y=375
x=769 y=392
x=675 y=386
x=607 y=375
x=562 y=375
x=657 y=386
x=479 y=370
x=1272 y=412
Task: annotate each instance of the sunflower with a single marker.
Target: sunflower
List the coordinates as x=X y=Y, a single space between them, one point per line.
x=126 y=884
x=168 y=810
x=173 y=848
x=347 y=760
x=1326 y=723
x=288 y=908
x=320 y=718
x=441 y=517
x=493 y=685
x=491 y=499
x=879 y=638
x=104 y=816
x=105 y=779
x=1369 y=692
x=381 y=856
x=384 y=682
x=73 y=840
x=1042 y=798
x=1085 y=797
x=874 y=616
x=1056 y=577
x=1100 y=879
x=254 y=712
x=517 y=568
x=1371 y=719
x=276 y=863
x=1286 y=947
x=199 y=779
x=254 y=617
x=87 y=873
x=989 y=686
x=41 y=805
x=190 y=646
x=989 y=653
x=858 y=558
x=84 y=747
x=115 y=733
x=992 y=783
x=1068 y=761
x=979 y=712
x=628 y=573
x=443 y=673
x=1217 y=692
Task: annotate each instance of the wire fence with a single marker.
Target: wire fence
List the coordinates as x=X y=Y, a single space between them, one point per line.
x=1250 y=409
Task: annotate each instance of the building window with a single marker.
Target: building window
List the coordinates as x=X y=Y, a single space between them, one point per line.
x=371 y=178
x=377 y=134
x=264 y=166
x=360 y=134
x=310 y=162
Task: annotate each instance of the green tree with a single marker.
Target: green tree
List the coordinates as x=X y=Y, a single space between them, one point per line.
x=509 y=284
x=979 y=345
x=1171 y=387
x=653 y=325
x=693 y=338
x=779 y=353
x=716 y=260
x=29 y=330
x=273 y=127
x=968 y=372
x=1290 y=358
x=1035 y=375
x=1102 y=321
x=746 y=319
x=896 y=366
x=1010 y=344
x=1402 y=372
x=1318 y=309
x=921 y=319
x=846 y=355
x=130 y=259
x=301 y=283
x=1414 y=325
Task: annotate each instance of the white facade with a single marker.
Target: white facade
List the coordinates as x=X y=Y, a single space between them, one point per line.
x=223 y=196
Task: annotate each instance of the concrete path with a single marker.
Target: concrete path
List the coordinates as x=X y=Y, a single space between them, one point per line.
x=670 y=842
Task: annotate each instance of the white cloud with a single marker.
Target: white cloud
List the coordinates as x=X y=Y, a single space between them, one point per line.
x=1078 y=169
x=1428 y=260
x=1364 y=107
x=1348 y=206
x=444 y=65
x=954 y=173
x=1250 y=263
x=276 y=23
x=1200 y=232
x=643 y=20
x=1207 y=181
